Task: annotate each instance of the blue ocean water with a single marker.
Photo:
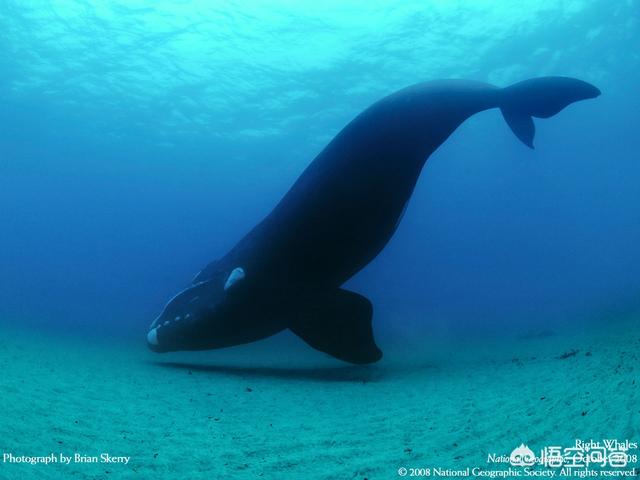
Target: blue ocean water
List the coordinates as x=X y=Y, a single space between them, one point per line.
x=140 y=140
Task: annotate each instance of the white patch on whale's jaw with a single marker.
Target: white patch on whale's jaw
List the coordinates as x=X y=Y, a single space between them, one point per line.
x=152 y=337
x=234 y=277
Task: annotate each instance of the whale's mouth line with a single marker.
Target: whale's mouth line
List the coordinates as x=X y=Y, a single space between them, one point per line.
x=155 y=322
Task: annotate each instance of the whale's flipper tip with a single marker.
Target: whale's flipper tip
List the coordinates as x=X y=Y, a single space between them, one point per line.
x=338 y=322
x=521 y=125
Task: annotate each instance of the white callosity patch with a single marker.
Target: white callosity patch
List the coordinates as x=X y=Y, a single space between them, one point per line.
x=152 y=336
x=234 y=277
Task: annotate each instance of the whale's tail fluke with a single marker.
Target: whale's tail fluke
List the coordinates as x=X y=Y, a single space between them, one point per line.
x=540 y=97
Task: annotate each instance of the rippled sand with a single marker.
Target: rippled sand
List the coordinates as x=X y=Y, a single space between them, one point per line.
x=273 y=411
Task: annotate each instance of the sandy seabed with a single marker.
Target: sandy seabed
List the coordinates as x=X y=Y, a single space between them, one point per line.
x=264 y=411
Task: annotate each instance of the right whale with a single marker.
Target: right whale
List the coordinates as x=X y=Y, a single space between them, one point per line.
x=287 y=271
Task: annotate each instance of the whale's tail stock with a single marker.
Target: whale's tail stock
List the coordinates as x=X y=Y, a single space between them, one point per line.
x=542 y=98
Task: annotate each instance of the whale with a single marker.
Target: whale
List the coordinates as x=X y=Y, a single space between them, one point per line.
x=288 y=271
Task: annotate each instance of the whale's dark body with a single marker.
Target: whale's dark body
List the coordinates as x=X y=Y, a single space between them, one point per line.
x=339 y=214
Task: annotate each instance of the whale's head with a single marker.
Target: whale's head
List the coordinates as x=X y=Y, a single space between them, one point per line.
x=202 y=316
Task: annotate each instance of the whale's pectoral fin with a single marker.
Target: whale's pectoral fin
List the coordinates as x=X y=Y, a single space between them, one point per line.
x=338 y=322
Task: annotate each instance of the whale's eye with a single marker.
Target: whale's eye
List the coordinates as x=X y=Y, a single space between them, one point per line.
x=234 y=277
